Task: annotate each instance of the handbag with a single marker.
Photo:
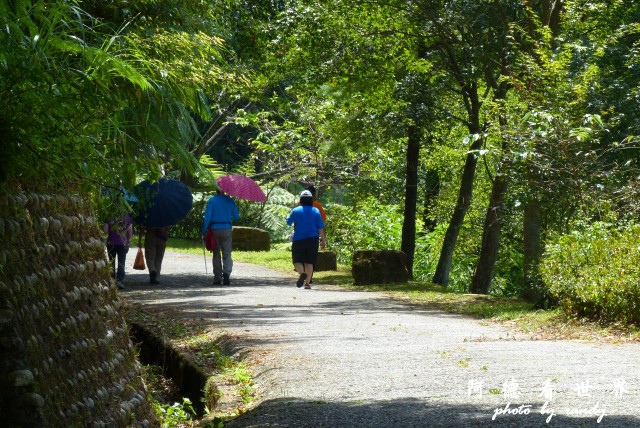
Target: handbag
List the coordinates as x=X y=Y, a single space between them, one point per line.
x=138 y=264
x=210 y=240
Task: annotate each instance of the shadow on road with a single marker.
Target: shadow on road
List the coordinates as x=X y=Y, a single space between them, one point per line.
x=407 y=413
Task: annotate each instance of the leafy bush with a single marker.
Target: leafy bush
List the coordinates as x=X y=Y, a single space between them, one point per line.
x=427 y=252
x=373 y=226
x=175 y=415
x=595 y=273
x=366 y=226
x=270 y=216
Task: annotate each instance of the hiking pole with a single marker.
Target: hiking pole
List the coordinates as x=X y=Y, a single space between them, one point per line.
x=204 y=253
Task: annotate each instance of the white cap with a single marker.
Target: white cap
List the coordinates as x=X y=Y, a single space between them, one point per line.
x=306 y=194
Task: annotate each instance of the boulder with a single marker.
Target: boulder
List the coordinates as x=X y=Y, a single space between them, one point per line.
x=379 y=267
x=326 y=261
x=250 y=239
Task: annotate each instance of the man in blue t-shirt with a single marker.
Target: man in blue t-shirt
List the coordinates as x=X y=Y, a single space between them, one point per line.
x=219 y=215
x=308 y=229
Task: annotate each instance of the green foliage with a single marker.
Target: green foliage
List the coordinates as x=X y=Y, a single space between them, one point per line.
x=427 y=251
x=120 y=83
x=594 y=272
x=369 y=225
x=271 y=215
x=324 y=92
x=175 y=415
x=208 y=350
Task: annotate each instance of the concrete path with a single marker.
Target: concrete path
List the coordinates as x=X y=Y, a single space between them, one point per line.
x=327 y=357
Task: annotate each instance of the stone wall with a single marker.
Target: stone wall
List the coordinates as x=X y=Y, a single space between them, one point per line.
x=65 y=354
x=250 y=239
x=379 y=267
x=327 y=260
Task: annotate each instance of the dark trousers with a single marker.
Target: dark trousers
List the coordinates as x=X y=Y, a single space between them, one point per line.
x=118 y=252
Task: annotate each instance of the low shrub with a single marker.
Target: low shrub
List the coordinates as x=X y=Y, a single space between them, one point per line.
x=367 y=226
x=595 y=273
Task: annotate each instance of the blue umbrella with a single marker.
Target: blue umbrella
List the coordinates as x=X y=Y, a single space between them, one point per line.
x=163 y=203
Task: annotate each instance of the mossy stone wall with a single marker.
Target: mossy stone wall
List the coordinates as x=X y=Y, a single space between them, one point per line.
x=326 y=261
x=250 y=239
x=379 y=267
x=66 y=359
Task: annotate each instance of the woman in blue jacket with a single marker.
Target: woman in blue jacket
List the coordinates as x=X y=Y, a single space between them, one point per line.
x=219 y=215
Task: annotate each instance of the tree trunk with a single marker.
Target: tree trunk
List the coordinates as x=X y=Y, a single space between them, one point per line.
x=432 y=190
x=550 y=13
x=408 y=245
x=491 y=233
x=532 y=249
x=441 y=275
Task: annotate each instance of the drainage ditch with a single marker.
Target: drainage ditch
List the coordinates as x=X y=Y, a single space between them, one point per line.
x=189 y=379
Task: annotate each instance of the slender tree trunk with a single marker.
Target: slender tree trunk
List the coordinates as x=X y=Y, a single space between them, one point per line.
x=441 y=275
x=473 y=105
x=483 y=274
x=532 y=249
x=432 y=190
x=408 y=245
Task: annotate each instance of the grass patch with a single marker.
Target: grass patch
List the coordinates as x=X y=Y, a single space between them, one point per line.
x=184 y=245
x=279 y=260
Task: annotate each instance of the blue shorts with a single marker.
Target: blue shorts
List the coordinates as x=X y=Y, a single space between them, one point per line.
x=305 y=250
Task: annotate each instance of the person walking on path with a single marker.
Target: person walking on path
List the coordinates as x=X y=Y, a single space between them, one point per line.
x=119 y=232
x=308 y=229
x=219 y=215
x=316 y=203
x=323 y=214
x=155 y=243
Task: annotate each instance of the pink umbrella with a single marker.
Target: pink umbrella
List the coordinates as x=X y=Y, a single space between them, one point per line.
x=241 y=187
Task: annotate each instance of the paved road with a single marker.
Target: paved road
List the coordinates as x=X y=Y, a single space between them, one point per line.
x=327 y=357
